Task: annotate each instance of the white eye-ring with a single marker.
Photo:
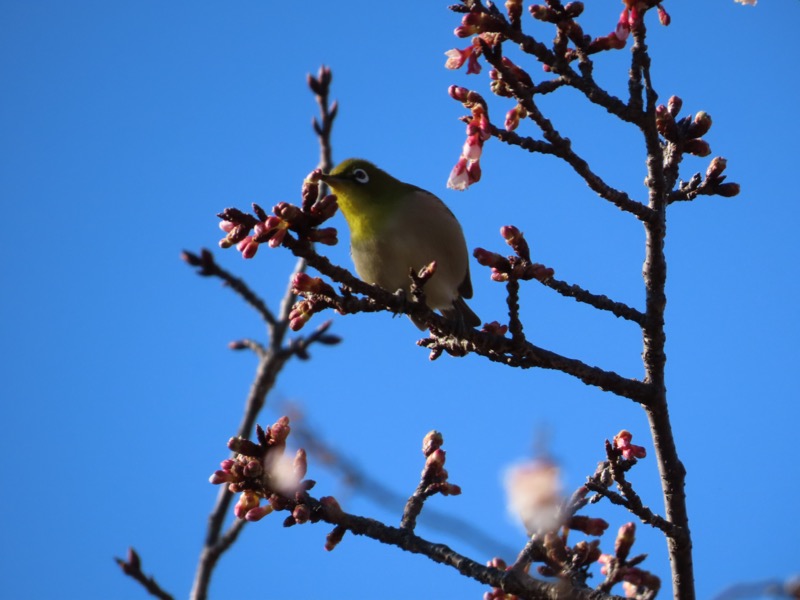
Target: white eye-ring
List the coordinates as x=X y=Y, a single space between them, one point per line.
x=360 y=175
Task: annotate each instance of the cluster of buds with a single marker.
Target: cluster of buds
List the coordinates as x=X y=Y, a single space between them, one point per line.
x=497 y=593
x=272 y=229
x=549 y=14
x=317 y=295
x=468 y=169
x=477 y=22
x=495 y=328
x=561 y=560
x=262 y=471
x=715 y=178
x=434 y=475
x=636 y=582
x=500 y=85
x=517 y=267
x=631 y=17
x=687 y=132
x=622 y=443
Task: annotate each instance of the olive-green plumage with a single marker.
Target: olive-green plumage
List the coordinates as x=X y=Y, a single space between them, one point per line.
x=394 y=227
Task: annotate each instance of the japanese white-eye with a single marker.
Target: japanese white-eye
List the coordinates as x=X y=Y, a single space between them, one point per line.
x=395 y=227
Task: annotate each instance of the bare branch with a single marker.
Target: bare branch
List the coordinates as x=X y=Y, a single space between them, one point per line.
x=132 y=567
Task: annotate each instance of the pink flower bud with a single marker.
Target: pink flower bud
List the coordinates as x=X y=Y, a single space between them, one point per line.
x=248 y=247
x=623 y=29
x=458 y=93
x=432 y=441
x=491 y=259
x=258 y=513
x=219 y=477
x=459 y=179
x=331 y=507
x=247 y=501
x=697 y=147
x=472 y=148
x=663 y=16
x=495 y=328
x=625 y=539
x=334 y=537
x=674 y=105
x=301 y=514
x=436 y=459
x=473 y=172
x=300 y=466
x=280 y=430
x=700 y=125
x=716 y=168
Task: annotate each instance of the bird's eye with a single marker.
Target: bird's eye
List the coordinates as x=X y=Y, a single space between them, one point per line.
x=360 y=175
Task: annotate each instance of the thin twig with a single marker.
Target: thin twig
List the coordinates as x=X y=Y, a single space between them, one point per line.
x=618 y=309
x=132 y=567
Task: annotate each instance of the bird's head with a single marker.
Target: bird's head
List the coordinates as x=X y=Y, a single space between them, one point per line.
x=359 y=183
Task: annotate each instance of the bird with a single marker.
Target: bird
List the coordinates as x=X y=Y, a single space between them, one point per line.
x=396 y=226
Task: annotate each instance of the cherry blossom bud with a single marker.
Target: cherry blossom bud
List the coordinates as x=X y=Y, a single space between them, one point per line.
x=219 y=477
x=287 y=212
x=585 y=553
x=674 y=105
x=247 y=501
x=459 y=179
x=495 y=328
x=514 y=8
x=325 y=208
x=310 y=189
x=588 y=525
x=728 y=190
x=248 y=247
x=301 y=514
x=490 y=259
x=716 y=168
x=540 y=12
x=622 y=441
x=697 y=147
x=663 y=16
x=473 y=172
x=436 y=459
x=300 y=465
x=472 y=148
x=458 y=93
x=573 y=9
x=331 y=507
x=700 y=125
x=280 y=430
x=300 y=315
x=253 y=469
x=326 y=235
x=623 y=29
x=304 y=283
x=626 y=536
x=258 y=513
x=334 y=537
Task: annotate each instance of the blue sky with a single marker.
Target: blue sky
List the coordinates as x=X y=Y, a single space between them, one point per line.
x=127 y=125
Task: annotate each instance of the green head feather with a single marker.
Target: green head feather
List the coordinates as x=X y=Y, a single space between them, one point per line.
x=366 y=194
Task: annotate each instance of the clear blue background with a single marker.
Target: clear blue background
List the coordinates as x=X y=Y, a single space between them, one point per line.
x=125 y=126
